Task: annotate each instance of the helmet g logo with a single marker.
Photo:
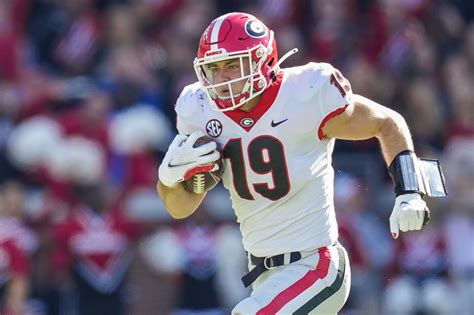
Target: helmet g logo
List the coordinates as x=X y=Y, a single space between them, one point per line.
x=255 y=29
x=247 y=122
x=214 y=128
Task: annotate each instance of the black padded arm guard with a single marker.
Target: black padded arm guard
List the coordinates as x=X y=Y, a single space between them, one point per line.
x=421 y=176
x=406 y=174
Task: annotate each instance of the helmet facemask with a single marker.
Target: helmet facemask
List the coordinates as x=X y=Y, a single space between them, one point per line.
x=255 y=81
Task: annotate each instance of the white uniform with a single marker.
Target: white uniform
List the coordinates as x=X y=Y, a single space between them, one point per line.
x=278 y=162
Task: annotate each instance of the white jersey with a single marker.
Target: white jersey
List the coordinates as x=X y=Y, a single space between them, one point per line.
x=277 y=161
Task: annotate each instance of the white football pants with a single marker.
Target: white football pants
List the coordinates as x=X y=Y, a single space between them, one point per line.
x=319 y=283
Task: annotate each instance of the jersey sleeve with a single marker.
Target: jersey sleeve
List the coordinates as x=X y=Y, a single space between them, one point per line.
x=333 y=96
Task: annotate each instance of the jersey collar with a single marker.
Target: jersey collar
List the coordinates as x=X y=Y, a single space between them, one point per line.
x=266 y=101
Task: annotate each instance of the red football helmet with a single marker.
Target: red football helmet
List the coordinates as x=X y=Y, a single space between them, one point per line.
x=237 y=36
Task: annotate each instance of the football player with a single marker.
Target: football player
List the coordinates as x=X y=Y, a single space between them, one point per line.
x=277 y=128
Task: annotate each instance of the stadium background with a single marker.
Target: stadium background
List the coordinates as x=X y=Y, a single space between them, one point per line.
x=86 y=100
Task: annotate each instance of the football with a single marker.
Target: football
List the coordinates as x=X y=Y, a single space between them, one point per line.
x=202 y=182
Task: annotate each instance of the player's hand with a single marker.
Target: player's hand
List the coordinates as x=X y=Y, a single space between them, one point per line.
x=410 y=213
x=182 y=159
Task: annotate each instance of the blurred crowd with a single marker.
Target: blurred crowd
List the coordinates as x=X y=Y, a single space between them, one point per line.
x=87 y=89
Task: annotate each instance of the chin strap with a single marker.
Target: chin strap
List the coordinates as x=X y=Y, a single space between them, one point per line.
x=285 y=56
x=277 y=66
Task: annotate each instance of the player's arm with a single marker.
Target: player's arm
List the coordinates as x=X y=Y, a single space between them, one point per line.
x=179 y=202
x=366 y=119
x=182 y=159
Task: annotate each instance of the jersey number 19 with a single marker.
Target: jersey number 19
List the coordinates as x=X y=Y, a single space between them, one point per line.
x=265 y=155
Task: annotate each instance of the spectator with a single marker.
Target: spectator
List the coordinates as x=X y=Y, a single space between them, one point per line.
x=206 y=260
x=418 y=282
x=17 y=244
x=459 y=223
x=369 y=247
x=94 y=243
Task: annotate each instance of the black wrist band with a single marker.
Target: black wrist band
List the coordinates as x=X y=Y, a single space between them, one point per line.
x=406 y=174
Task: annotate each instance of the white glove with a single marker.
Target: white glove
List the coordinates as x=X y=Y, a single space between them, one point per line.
x=408 y=214
x=182 y=160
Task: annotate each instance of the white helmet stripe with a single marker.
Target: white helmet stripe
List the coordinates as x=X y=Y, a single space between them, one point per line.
x=215 y=31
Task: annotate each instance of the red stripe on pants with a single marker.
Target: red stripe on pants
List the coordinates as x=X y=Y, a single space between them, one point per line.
x=301 y=285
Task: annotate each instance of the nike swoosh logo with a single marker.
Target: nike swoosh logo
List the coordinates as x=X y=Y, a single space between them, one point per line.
x=169 y=164
x=274 y=124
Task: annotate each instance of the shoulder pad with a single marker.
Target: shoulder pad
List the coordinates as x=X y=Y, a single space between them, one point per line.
x=308 y=79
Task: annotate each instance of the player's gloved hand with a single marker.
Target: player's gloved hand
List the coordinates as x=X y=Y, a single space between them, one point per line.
x=182 y=159
x=409 y=213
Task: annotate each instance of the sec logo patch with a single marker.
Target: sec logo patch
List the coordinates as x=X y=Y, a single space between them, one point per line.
x=214 y=128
